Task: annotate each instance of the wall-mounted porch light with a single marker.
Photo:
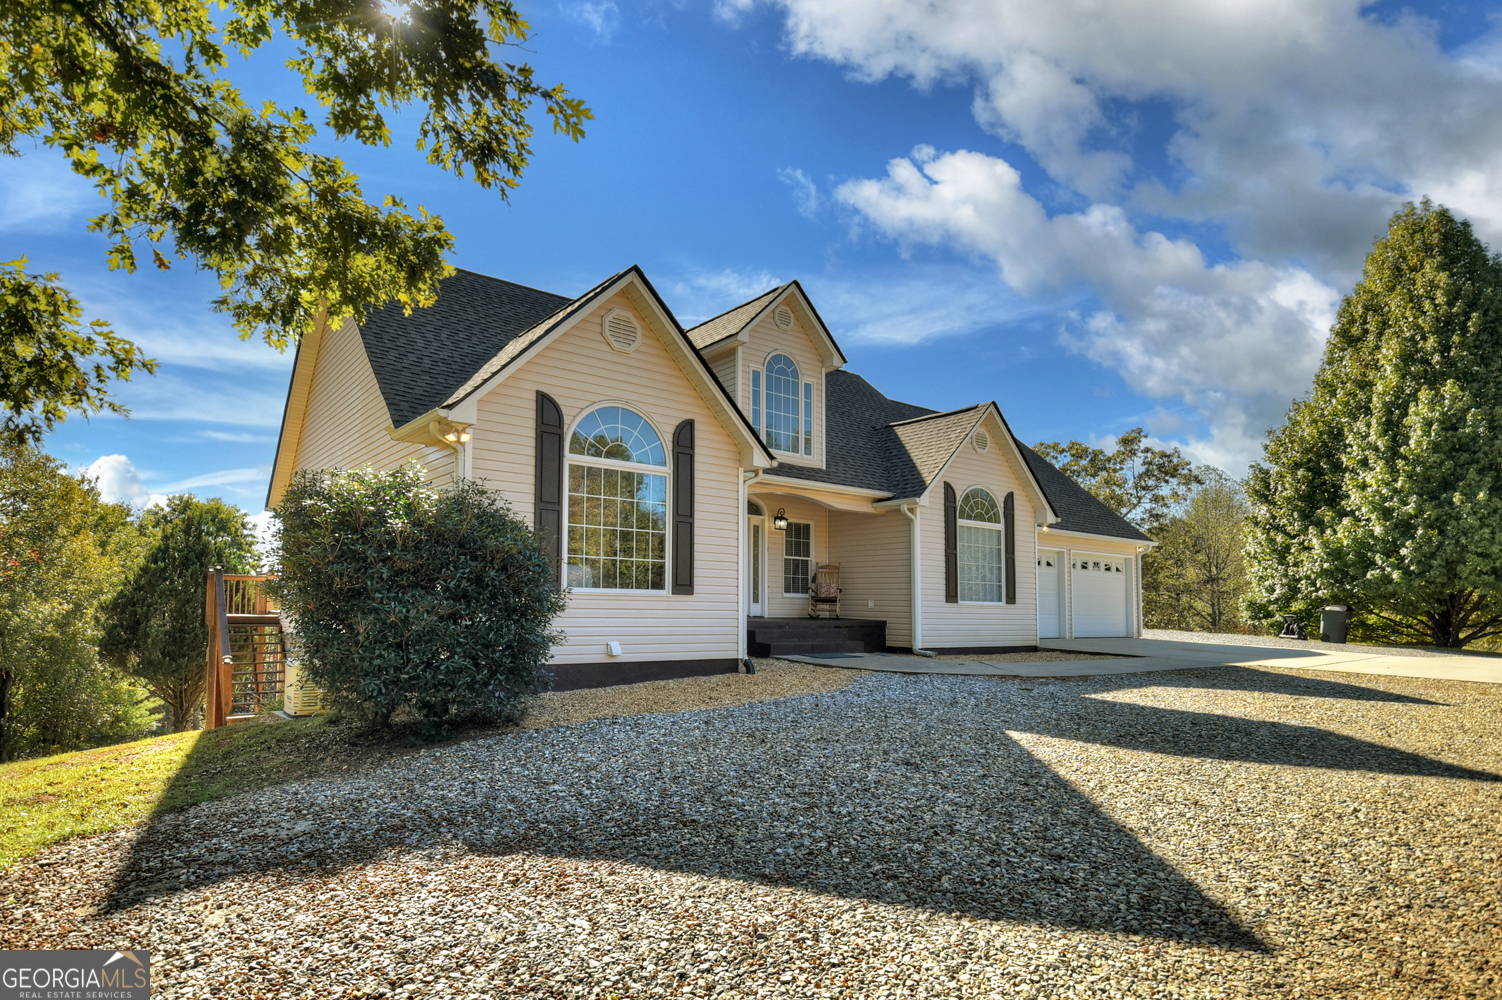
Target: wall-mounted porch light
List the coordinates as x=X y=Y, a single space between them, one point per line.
x=780 y=521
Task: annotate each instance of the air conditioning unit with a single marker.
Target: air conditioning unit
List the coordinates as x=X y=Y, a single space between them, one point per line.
x=299 y=695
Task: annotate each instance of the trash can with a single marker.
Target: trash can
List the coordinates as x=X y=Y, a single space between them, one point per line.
x=1332 y=623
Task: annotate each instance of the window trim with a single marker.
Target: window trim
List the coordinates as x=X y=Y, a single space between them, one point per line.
x=812 y=562
x=666 y=471
x=808 y=419
x=997 y=526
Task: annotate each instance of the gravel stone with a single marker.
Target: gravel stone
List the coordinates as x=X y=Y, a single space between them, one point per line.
x=1217 y=833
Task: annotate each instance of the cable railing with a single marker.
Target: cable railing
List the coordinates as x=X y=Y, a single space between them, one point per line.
x=247 y=654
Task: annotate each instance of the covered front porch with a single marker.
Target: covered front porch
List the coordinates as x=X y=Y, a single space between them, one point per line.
x=871 y=547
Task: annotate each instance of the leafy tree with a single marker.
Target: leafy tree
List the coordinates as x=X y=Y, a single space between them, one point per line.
x=137 y=95
x=1384 y=488
x=62 y=550
x=1141 y=483
x=50 y=365
x=406 y=597
x=154 y=625
x=1195 y=578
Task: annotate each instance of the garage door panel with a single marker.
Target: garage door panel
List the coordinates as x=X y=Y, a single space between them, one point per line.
x=1099 y=584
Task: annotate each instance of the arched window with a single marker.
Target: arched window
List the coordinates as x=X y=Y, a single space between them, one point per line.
x=782 y=403
x=980 y=547
x=617 y=503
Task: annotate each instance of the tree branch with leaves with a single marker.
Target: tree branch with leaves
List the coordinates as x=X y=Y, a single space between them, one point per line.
x=136 y=94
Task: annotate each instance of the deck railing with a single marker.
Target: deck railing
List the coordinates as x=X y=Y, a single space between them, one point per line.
x=247 y=656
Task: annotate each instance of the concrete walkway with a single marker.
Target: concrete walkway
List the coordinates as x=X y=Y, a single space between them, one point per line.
x=1135 y=656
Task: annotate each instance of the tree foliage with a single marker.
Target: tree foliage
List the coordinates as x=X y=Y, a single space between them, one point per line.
x=137 y=95
x=51 y=365
x=1141 y=483
x=62 y=550
x=154 y=624
x=1195 y=579
x=1383 y=490
x=406 y=597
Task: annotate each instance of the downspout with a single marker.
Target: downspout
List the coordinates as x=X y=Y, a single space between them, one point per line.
x=911 y=510
x=452 y=437
x=746 y=481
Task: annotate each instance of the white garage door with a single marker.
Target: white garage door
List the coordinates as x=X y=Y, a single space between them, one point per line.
x=1100 y=595
x=1049 y=577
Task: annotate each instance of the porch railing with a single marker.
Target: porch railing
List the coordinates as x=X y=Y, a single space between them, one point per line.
x=247 y=655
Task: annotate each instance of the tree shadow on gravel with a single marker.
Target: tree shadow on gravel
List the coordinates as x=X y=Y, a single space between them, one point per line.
x=1266 y=681
x=905 y=790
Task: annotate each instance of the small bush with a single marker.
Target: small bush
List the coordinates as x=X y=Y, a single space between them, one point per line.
x=403 y=596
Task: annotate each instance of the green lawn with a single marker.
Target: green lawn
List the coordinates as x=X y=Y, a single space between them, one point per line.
x=50 y=799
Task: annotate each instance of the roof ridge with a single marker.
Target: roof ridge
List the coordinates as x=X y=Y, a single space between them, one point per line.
x=931 y=416
x=741 y=305
x=508 y=281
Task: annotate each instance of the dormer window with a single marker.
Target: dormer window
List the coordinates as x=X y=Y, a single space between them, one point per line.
x=789 y=407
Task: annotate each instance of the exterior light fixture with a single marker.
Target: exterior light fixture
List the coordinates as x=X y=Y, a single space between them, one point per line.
x=780 y=521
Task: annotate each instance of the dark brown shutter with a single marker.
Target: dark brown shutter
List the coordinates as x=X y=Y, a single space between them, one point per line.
x=1009 y=540
x=951 y=547
x=549 y=515
x=683 y=508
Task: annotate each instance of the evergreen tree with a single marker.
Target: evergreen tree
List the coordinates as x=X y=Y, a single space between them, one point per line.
x=1384 y=488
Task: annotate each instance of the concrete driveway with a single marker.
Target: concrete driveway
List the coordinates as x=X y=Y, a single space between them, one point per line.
x=1149 y=654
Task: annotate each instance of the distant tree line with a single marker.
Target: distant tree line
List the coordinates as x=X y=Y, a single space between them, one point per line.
x=102 y=636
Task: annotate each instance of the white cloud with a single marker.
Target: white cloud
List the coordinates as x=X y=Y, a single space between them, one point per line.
x=602 y=17
x=1290 y=128
x=120 y=482
x=805 y=191
x=259 y=474
x=708 y=293
x=1229 y=339
x=40 y=193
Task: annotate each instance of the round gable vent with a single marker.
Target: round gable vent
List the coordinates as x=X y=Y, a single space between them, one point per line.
x=784 y=317
x=621 y=331
x=982 y=441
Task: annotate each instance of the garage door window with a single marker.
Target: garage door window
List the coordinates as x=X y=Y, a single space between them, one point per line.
x=980 y=548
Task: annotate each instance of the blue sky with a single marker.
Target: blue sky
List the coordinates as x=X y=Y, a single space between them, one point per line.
x=1101 y=216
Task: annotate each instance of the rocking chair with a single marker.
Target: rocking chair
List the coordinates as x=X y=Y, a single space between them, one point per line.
x=824 y=592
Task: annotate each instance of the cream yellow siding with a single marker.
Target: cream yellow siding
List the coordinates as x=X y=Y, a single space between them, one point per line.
x=872 y=550
x=961 y=625
x=346 y=421
x=724 y=368
x=765 y=338
x=778 y=603
x=581 y=371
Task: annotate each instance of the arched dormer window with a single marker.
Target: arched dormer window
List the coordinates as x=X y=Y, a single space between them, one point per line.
x=980 y=547
x=789 y=424
x=617 y=503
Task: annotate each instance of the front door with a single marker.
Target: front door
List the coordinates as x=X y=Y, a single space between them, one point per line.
x=755 y=544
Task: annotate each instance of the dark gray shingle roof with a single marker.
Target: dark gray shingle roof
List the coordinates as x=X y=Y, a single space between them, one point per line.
x=1077 y=507
x=421 y=359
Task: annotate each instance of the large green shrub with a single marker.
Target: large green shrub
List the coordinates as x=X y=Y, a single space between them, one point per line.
x=404 y=596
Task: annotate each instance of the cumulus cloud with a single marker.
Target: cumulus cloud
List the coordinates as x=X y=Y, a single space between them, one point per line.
x=1226 y=338
x=120 y=482
x=1291 y=129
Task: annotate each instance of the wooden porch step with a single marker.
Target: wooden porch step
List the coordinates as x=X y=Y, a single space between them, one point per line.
x=803 y=648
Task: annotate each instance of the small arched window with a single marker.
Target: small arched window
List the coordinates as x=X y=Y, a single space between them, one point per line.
x=617 y=503
x=980 y=547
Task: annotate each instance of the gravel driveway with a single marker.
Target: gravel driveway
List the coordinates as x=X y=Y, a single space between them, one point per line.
x=1236 y=832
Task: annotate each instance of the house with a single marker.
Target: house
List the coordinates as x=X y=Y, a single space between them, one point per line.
x=689 y=483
